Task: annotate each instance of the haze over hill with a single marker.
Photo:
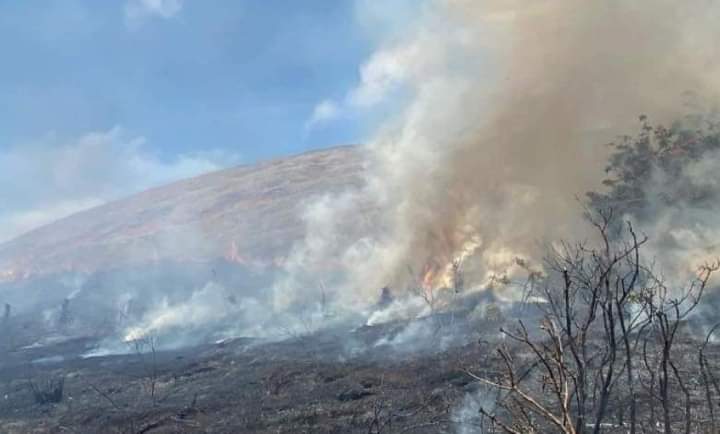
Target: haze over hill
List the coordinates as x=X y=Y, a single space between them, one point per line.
x=248 y=214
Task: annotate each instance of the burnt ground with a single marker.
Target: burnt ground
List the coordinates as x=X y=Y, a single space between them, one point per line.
x=329 y=382
x=367 y=380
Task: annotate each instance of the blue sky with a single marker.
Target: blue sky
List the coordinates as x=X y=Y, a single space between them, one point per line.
x=236 y=75
x=102 y=99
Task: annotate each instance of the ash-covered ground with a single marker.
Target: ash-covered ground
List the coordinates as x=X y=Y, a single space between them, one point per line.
x=397 y=377
x=394 y=377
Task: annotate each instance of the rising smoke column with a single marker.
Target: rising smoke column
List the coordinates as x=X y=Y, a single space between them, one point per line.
x=510 y=102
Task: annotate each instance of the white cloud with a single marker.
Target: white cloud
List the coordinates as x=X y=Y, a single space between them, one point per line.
x=326 y=110
x=391 y=67
x=14 y=223
x=380 y=76
x=386 y=70
x=138 y=11
x=43 y=181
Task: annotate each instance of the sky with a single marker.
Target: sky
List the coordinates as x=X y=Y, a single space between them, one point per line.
x=102 y=99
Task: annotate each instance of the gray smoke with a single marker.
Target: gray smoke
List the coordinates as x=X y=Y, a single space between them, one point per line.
x=510 y=104
x=507 y=106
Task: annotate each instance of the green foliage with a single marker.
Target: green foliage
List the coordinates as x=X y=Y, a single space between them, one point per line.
x=653 y=168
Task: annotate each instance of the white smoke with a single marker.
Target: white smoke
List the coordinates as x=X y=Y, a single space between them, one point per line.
x=505 y=106
x=467 y=416
x=210 y=310
x=51 y=178
x=509 y=104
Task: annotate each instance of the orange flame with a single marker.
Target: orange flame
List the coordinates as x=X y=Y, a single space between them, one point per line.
x=428 y=278
x=441 y=273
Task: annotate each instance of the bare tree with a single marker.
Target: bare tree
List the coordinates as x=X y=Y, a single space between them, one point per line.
x=6 y=329
x=666 y=311
x=146 y=350
x=65 y=317
x=600 y=305
x=458 y=276
x=47 y=388
x=709 y=380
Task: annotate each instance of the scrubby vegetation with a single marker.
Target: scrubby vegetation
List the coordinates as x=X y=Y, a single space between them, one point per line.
x=607 y=344
x=662 y=167
x=617 y=349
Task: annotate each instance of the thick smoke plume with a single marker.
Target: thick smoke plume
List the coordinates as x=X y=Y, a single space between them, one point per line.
x=509 y=104
x=506 y=108
x=502 y=113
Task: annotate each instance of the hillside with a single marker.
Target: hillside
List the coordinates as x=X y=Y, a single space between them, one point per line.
x=248 y=214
